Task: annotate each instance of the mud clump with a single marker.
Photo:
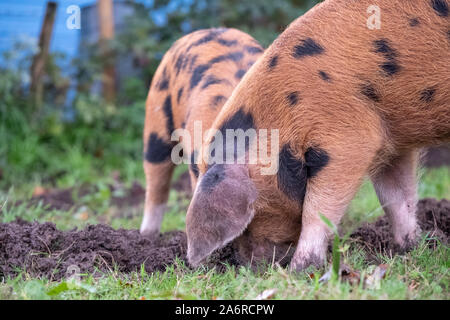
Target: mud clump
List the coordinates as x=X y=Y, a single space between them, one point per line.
x=41 y=250
x=433 y=217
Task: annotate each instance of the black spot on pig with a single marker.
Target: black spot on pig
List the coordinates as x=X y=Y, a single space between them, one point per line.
x=414 y=22
x=198 y=74
x=167 y=108
x=212 y=178
x=227 y=43
x=390 y=66
x=427 y=95
x=163 y=83
x=181 y=63
x=292 y=175
x=158 y=151
x=254 y=49
x=233 y=56
x=211 y=80
x=315 y=159
x=179 y=95
x=210 y=36
x=382 y=46
x=441 y=7
x=273 y=62
x=324 y=76
x=368 y=90
x=219 y=99
x=240 y=120
x=293 y=98
x=308 y=47
x=240 y=73
x=192 y=62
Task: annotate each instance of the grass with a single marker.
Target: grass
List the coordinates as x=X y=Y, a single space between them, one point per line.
x=420 y=274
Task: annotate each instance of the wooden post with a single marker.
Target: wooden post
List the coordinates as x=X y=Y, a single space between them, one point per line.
x=106 y=25
x=39 y=61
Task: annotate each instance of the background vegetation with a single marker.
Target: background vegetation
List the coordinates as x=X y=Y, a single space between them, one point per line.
x=60 y=143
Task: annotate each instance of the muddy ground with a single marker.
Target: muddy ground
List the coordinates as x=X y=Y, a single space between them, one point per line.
x=43 y=251
x=434 y=221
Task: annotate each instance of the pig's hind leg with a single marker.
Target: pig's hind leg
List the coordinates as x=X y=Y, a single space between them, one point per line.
x=396 y=187
x=158 y=169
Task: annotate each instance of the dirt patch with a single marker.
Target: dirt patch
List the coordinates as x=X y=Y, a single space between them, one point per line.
x=66 y=199
x=43 y=251
x=56 y=200
x=133 y=197
x=433 y=217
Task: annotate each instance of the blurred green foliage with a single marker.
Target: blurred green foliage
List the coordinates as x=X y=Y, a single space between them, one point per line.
x=89 y=137
x=50 y=148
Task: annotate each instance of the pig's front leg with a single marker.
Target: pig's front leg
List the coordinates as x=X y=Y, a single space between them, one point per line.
x=315 y=234
x=329 y=193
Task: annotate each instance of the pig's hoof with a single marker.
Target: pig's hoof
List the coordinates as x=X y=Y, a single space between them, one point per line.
x=302 y=263
x=407 y=245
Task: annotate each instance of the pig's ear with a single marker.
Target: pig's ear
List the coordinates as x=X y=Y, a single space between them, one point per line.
x=220 y=211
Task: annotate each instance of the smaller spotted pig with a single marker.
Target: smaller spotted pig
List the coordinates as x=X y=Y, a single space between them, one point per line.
x=194 y=80
x=349 y=101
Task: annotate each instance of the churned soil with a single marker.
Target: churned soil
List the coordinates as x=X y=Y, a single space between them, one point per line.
x=434 y=220
x=44 y=251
